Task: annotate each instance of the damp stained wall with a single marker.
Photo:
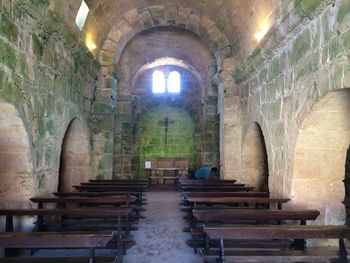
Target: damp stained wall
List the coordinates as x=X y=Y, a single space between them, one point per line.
x=181 y=141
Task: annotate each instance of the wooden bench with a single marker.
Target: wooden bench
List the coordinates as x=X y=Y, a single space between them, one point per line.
x=243 y=216
x=112 y=200
x=215 y=188
x=109 y=188
x=61 y=240
x=204 y=182
x=73 y=217
x=195 y=201
x=142 y=182
x=268 y=232
x=140 y=196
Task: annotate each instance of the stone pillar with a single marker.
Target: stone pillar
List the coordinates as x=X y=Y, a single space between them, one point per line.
x=103 y=111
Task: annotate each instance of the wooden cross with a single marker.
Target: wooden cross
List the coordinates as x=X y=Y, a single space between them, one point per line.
x=166 y=122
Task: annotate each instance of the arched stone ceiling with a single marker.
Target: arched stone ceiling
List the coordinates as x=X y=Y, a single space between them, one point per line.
x=227 y=25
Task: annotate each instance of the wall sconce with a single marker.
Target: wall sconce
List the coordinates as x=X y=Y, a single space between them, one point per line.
x=89 y=42
x=263 y=28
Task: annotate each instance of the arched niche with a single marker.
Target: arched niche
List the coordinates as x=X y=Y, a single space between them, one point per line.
x=254 y=159
x=16 y=167
x=318 y=169
x=75 y=161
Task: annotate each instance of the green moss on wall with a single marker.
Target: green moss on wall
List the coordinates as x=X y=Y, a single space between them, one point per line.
x=8 y=28
x=305 y=8
x=180 y=140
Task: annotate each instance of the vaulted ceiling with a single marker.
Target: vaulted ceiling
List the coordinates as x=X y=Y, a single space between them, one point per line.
x=227 y=25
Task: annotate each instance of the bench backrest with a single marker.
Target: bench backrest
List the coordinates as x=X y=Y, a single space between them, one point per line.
x=278 y=232
x=54 y=239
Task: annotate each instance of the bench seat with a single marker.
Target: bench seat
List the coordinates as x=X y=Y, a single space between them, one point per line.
x=316 y=254
x=55 y=260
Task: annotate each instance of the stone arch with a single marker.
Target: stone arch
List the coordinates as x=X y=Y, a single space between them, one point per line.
x=125 y=29
x=347 y=186
x=16 y=167
x=254 y=159
x=75 y=161
x=318 y=167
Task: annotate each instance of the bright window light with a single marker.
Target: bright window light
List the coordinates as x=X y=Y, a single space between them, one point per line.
x=82 y=15
x=158 y=82
x=173 y=84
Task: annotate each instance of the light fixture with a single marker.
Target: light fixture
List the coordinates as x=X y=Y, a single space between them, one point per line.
x=263 y=28
x=90 y=42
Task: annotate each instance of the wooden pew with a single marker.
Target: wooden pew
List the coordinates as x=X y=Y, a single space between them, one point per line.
x=128 y=201
x=140 y=200
x=121 y=181
x=204 y=182
x=257 y=215
x=84 y=217
x=112 y=200
x=195 y=201
x=109 y=188
x=299 y=232
x=215 y=188
x=243 y=216
x=59 y=240
x=225 y=194
x=219 y=194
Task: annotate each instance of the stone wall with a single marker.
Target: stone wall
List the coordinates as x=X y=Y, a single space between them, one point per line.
x=180 y=138
x=303 y=58
x=49 y=77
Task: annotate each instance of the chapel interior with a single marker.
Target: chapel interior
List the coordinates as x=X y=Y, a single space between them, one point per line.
x=97 y=89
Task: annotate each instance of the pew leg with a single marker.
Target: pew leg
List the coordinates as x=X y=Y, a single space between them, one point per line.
x=299 y=244
x=343 y=253
x=221 y=252
x=92 y=255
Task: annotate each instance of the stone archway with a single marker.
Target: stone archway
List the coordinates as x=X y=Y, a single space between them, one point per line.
x=75 y=163
x=16 y=168
x=254 y=159
x=318 y=169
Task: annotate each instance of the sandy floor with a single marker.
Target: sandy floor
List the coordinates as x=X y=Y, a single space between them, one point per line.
x=160 y=237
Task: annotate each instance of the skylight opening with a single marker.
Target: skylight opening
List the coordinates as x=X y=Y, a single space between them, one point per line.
x=173 y=85
x=82 y=15
x=158 y=85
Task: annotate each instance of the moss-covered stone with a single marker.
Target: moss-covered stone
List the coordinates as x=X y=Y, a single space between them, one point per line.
x=305 y=8
x=343 y=11
x=38 y=48
x=40 y=3
x=301 y=45
x=7 y=55
x=8 y=28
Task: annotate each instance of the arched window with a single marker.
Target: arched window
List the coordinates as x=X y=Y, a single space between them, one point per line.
x=82 y=14
x=158 y=85
x=173 y=84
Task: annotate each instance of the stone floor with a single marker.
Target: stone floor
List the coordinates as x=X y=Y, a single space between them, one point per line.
x=160 y=237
